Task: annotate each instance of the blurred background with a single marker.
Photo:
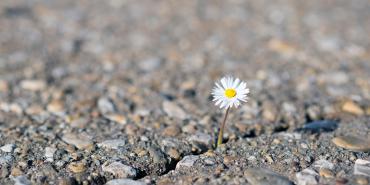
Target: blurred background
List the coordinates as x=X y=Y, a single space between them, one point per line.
x=128 y=68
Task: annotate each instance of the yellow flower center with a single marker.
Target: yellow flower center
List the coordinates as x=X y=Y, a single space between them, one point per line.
x=230 y=93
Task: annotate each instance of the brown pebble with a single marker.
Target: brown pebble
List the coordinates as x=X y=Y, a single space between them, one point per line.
x=353 y=108
x=326 y=173
x=174 y=153
x=360 y=180
x=16 y=172
x=352 y=143
x=77 y=167
x=171 y=131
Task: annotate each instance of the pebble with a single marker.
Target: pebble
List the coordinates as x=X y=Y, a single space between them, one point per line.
x=55 y=106
x=21 y=180
x=124 y=182
x=323 y=164
x=33 y=85
x=173 y=110
x=117 y=118
x=362 y=167
x=353 y=108
x=336 y=78
x=4 y=87
x=174 y=153
x=318 y=126
x=112 y=144
x=323 y=172
x=307 y=177
x=187 y=161
x=16 y=172
x=201 y=138
x=260 y=176
x=120 y=170
x=352 y=143
x=105 y=105
x=49 y=153
x=171 y=131
x=360 y=180
x=77 y=167
x=150 y=64
x=9 y=148
x=81 y=141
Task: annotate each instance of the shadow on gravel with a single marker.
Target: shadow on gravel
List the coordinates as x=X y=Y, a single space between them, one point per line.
x=319 y=126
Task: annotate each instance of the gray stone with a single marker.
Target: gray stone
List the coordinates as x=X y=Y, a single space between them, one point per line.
x=21 y=180
x=33 y=85
x=353 y=143
x=120 y=170
x=9 y=148
x=187 y=161
x=307 y=177
x=201 y=138
x=323 y=164
x=124 y=182
x=6 y=160
x=362 y=167
x=49 y=153
x=260 y=176
x=105 y=105
x=81 y=141
x=173 y=110
x=112 y=144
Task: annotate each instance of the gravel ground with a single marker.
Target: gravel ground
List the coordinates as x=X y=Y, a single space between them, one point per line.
x=118 y=92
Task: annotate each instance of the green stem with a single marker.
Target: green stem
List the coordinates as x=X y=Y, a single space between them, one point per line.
x=222 y=126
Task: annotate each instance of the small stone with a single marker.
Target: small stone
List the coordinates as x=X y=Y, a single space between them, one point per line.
x=81 y=141
x=260 y=176
x=105 y=105
x=21 y=180
x=360 y=180
x=323 y=164
x=201 y=138
x=362 y=167
x=49 y=153
x=171 y=131
x=112 y=144
x=16 y=172
x=9 y=148
x=55 y=106
x=320 y=126
x=4 y=87
x=336 y=78
x=188 y=161
x=150 y=64
x=77 y=167
x=326 y=173
x=124 y=182
x=352 y=108
x=117 y=118
x=33 y=85
x=229 y=160
x=173 y=110
x=352 y=143
x=120 y=170
x=174 y=153
x=307 y=177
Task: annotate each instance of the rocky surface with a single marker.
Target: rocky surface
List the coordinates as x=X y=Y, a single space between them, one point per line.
x=118 y=92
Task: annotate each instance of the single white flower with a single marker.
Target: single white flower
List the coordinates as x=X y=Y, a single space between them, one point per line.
x=229 y=92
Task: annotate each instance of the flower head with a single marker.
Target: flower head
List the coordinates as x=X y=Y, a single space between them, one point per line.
x=229 y=92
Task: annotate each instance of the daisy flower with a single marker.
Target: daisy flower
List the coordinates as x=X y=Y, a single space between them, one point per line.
x=227 y=93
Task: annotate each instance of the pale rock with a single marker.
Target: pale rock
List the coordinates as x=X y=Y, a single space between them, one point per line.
x=173 y=110
x=120 y=170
